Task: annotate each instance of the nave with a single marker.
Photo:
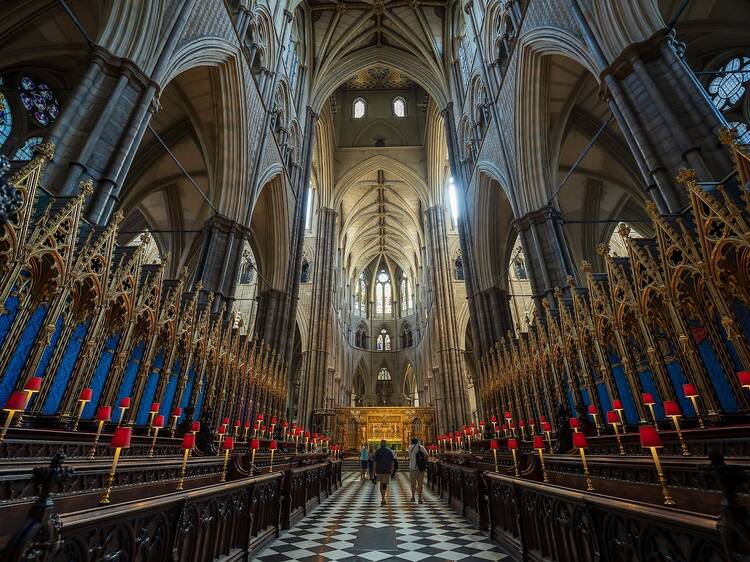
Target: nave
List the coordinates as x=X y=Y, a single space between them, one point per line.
x=351 y=525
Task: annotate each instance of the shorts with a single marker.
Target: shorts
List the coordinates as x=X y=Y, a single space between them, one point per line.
x=363 y=464
x=416 y=475
x=383 y=478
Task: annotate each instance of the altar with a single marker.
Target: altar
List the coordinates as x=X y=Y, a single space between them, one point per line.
x=397 y=425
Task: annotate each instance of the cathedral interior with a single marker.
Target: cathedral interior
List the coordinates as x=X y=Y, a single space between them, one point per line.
x=243 y=243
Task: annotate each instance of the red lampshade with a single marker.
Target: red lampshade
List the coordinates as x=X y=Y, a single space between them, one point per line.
x=649 y=437
x=689 y=390
x=546 y=426
x=284 y=424
x=254 y=444
x=579 y=441
x=222 y=430
x=467 y=431
x=237 y=423
x=121 y=438
x=494 y=445
x=481 y=424
x=671 y=408
x=273 y=445
x=471 y=424
x=508 y=415
x=532 y=422
x=592 y=409
x=273 y=420
x=294 y=425
x=188 y=441
x=34 y=384
x=457 y=435
x=125 y=402
x=86 y=394
x=195 y=426
x=104 y=413
x=744 y=377
x=612 y=417
x=177 y=412
x=225 y=421
x=263 y=428
x=504 y=426
x=617 y=404
x=493 y=419
x=522 y=423
x=17 y=401
x=247 y=425
x=158 y=421
x=542 y=419
x=154 y=408
x=260 y=417
x=648 y=398
x=315 y=435
x=574 y=424
x=228 y=444
x=307 y=434
x=538 y=442
x=512 y=444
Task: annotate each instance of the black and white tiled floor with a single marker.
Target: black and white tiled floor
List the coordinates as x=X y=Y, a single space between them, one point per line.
x=352 y=525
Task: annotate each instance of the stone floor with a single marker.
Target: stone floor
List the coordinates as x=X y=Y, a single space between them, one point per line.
x=351 y=525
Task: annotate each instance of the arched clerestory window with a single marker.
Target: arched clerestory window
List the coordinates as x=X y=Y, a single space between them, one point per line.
x=304 y=276
x=730 y=93
x=399 y=107
x=458 y=268
x=359 y=108
x=383 y=293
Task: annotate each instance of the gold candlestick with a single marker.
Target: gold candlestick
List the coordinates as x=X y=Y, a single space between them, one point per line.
x=662 y=481
x=111 y=478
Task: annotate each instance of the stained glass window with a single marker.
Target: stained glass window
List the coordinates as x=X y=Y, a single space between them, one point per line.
x=459 y=268
x=402 y=294
x=6 y=119
x=743 y=132
x=399 y=107
x=729 y=86
x=383 y=294
x=26 y=151
x=39 y=100
x=362 y=295
x=359 y=108
x=453 y=201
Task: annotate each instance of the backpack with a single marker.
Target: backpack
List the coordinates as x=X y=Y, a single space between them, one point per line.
x=421 y=459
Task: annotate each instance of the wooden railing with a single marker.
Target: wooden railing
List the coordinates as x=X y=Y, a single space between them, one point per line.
x=228 y=521
x=537 y=521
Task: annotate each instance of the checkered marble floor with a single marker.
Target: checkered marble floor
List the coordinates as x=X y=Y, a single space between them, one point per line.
x=351 y=525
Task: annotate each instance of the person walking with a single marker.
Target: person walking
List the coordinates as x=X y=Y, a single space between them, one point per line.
x=364 y=460
x=384 y=464
x=417 y=467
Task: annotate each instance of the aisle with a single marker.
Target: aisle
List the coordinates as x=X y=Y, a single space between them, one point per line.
x=353 y=526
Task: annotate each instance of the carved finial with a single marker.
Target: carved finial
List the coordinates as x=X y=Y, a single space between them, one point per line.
x=46 y=150
x=87 y=187
x=728 y=136
x=602 y=249
x=651 y=210
x=557 y=292
x=199 y=286
x=685 y=176
x=117 y=217
x=570 y=281
x=585 y=266
x=623 y=230
x=145 y=239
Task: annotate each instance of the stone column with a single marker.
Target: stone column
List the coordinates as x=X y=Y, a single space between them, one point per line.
x=313 y=391
x=667 y=119
x=547 y=255
x=450 y=378
x=218 y=268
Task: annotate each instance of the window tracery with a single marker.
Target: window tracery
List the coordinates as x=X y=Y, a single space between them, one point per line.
x=38 y=100
x=383 y=293
x=383 y=343
x=6 y=119
x=26 y=151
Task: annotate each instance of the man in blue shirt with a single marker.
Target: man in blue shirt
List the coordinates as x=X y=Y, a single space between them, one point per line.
x=384 y=459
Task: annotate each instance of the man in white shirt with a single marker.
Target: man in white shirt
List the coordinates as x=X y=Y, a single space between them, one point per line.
x=417 y=467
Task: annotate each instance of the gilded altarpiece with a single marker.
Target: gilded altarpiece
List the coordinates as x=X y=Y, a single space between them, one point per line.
x=397 y=426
